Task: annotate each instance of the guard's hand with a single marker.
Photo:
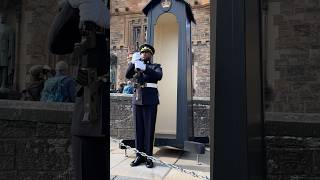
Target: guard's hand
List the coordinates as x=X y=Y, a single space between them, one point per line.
x=139 y=65
x=135 y=57
x=133 y=61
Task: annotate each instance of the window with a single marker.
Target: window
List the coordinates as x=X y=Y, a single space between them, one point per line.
x=137 y=32
x=136 y=35
x=145 y=34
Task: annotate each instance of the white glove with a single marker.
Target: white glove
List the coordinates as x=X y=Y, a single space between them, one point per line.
x=140 y=65
x=135 y=57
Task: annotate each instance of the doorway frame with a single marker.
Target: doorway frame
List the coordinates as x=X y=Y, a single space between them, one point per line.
x=184 y=98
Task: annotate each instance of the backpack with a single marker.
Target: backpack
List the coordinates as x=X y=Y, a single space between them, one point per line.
x=52 y=91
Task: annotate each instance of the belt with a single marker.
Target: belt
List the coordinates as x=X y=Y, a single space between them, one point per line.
x=150 y=85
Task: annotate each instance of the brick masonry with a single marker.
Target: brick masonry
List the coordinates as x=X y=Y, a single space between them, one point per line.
x=293 y=55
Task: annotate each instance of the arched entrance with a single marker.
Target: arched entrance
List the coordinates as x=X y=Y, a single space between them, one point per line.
x=166 y=45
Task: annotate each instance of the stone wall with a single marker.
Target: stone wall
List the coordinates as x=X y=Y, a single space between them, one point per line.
x=292 y=146
x=292 y=66
x=201 y=120
x=292 y=55
x=121 y=122
x=201 y=51
x=201 y=69
x=122 y=125
x=35 y=140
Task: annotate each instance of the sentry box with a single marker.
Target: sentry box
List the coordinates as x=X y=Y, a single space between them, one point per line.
x=169 y=31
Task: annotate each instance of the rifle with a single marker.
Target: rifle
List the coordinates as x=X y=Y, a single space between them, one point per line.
x=137 y=46
x=137 y=77
x=87 y=74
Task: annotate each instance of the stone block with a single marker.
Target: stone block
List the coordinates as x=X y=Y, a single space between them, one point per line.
x=277 y=20
x=289 y=161
x=278 y=177
x=201 y=132
x=285 y=142
x=7 y=163
x=113 y=132
x=63 y=130
x=8 y=175
x=43 y=161
x=7 y=147
x=316 y=161
x=287 y=128
x=43 y=154
x=46 y=130
x=17 y=129
x=126 y=133
x=312 y=107
x=44 y=175
x=291 y=177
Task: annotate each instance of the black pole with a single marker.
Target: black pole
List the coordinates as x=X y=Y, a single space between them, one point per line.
x=238 y=122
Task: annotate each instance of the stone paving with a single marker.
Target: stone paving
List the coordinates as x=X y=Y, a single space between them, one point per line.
x=121 y=169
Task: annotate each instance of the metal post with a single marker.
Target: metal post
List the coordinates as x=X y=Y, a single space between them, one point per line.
x=198 y=162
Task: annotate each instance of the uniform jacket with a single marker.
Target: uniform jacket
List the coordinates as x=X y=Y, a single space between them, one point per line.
x=145 y=95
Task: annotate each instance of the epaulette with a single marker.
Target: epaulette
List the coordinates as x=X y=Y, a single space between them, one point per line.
x=154 y=65
x=157 y=64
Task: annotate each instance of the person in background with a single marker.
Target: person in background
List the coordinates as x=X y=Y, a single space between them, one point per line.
x=61 y=87
x=34 y=88
x=128 y=89
x=48 y=72
x=121 y=86
x=113 y=88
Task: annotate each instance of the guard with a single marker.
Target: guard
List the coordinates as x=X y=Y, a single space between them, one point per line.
x=82 y=27
x=145 y=101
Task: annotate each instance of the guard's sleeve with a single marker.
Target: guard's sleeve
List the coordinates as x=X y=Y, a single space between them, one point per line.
x=92 y=10
x=74 y=3
x=155 y=72
x=64 y=31
x=130 y=71
x=72 y=90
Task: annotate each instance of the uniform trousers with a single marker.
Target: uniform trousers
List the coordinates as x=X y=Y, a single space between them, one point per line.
x=89 y=158
x=145 y=119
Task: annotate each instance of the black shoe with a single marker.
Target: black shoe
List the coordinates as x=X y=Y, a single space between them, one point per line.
x=137 y=161
x=149 y=163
